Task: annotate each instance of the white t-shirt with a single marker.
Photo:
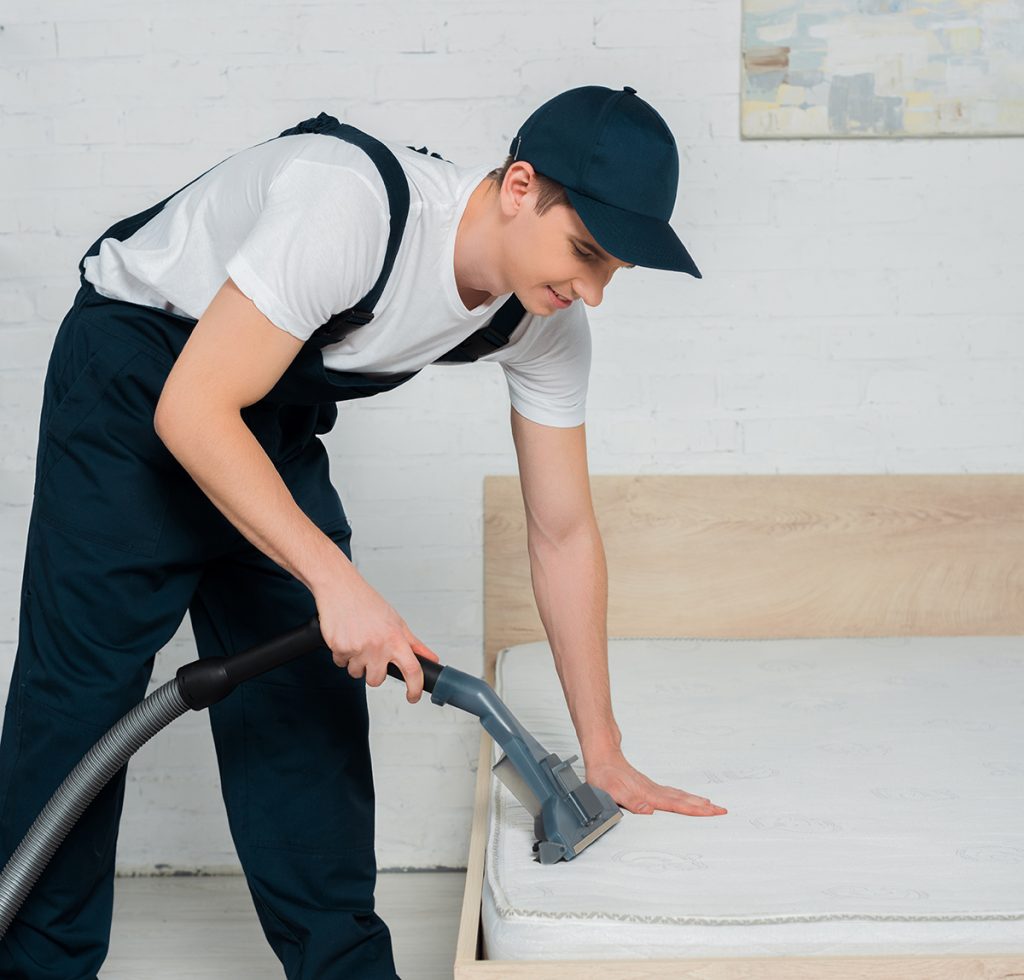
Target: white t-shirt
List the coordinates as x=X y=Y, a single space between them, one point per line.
x=300 y=224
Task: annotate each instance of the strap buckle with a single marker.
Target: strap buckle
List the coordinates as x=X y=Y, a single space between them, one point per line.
x=357 y=317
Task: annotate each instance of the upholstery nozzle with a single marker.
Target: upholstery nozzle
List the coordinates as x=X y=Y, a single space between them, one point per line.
x=568 y=814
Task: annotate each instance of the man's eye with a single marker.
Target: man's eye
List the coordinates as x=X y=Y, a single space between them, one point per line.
x=584 y=255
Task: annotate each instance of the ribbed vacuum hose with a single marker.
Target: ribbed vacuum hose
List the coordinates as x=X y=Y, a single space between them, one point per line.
x=197 y=685
x=79 y=789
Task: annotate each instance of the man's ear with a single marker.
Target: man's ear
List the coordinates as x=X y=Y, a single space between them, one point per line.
x=519 y=179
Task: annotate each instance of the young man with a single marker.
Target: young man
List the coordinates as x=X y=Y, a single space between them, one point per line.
x=180 y=469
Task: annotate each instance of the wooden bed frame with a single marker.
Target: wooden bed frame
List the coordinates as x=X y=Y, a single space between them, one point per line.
x=765 y=556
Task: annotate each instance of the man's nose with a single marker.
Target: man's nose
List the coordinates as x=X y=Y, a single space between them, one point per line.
x=591 y=288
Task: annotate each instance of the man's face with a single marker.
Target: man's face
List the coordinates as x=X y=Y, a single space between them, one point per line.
x=553 y=253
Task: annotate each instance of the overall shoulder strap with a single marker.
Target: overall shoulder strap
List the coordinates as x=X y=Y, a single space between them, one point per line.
x=494 y=335
x=397 y=187
x=491 y=337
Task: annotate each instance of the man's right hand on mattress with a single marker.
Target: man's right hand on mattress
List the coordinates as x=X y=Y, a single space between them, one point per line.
x=365 y=634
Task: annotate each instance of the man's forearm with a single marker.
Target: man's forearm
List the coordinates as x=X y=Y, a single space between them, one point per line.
x=232 y=469
x=570 y=582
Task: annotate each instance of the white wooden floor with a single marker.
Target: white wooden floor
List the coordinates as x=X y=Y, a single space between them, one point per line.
x=206 y=928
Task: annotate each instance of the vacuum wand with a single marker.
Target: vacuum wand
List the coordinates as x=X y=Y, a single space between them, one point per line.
x=568 y=813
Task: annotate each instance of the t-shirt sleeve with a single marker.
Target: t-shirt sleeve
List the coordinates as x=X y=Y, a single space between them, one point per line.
x=316 y=248
x=547 y=368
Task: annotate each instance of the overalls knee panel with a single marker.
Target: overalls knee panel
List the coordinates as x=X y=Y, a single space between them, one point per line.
x=121 y=543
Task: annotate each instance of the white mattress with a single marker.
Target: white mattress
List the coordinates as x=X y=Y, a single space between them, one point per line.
x=875 y=790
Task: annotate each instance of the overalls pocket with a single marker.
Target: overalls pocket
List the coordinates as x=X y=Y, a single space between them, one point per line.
x=105 y=474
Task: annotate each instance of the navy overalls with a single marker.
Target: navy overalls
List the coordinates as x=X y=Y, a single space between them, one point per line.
x=121 y=543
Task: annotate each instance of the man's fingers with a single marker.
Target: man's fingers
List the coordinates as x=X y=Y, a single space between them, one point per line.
x=413 y=674
x=689 y=809
x=678 y=801
x=637 y=793
x=418 y=646
x=697 y=806
x=422 y=650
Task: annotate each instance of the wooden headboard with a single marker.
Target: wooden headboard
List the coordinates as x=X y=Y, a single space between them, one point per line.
x=771 y=556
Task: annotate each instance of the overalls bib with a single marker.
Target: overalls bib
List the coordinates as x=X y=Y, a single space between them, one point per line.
x=121 y=544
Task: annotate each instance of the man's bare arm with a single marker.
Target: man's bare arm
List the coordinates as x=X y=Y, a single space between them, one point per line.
x=234 y=356
x=570 y=583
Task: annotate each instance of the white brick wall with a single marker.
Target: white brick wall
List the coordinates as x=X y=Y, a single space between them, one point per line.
x=861 y=309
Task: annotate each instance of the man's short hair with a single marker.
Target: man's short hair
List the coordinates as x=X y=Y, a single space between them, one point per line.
x=550 y=193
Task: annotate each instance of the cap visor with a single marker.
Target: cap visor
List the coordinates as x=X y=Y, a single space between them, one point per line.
x=632 y=237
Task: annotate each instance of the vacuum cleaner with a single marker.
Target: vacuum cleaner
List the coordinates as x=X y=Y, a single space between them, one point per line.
x=568 y=814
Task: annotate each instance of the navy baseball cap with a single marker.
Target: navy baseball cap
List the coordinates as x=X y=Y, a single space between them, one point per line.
x=618 y=162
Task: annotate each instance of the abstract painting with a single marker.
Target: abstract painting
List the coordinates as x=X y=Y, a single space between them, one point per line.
x=840 y=68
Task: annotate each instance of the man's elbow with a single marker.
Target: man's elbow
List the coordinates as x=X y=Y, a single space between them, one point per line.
x=180 y=416
x=164 y=418
x=581 y=531
x=172 y=426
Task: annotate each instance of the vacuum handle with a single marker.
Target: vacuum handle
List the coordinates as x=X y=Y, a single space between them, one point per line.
x=431 y=672
x=304 y=640
x=282 y=649
x=205 y=682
